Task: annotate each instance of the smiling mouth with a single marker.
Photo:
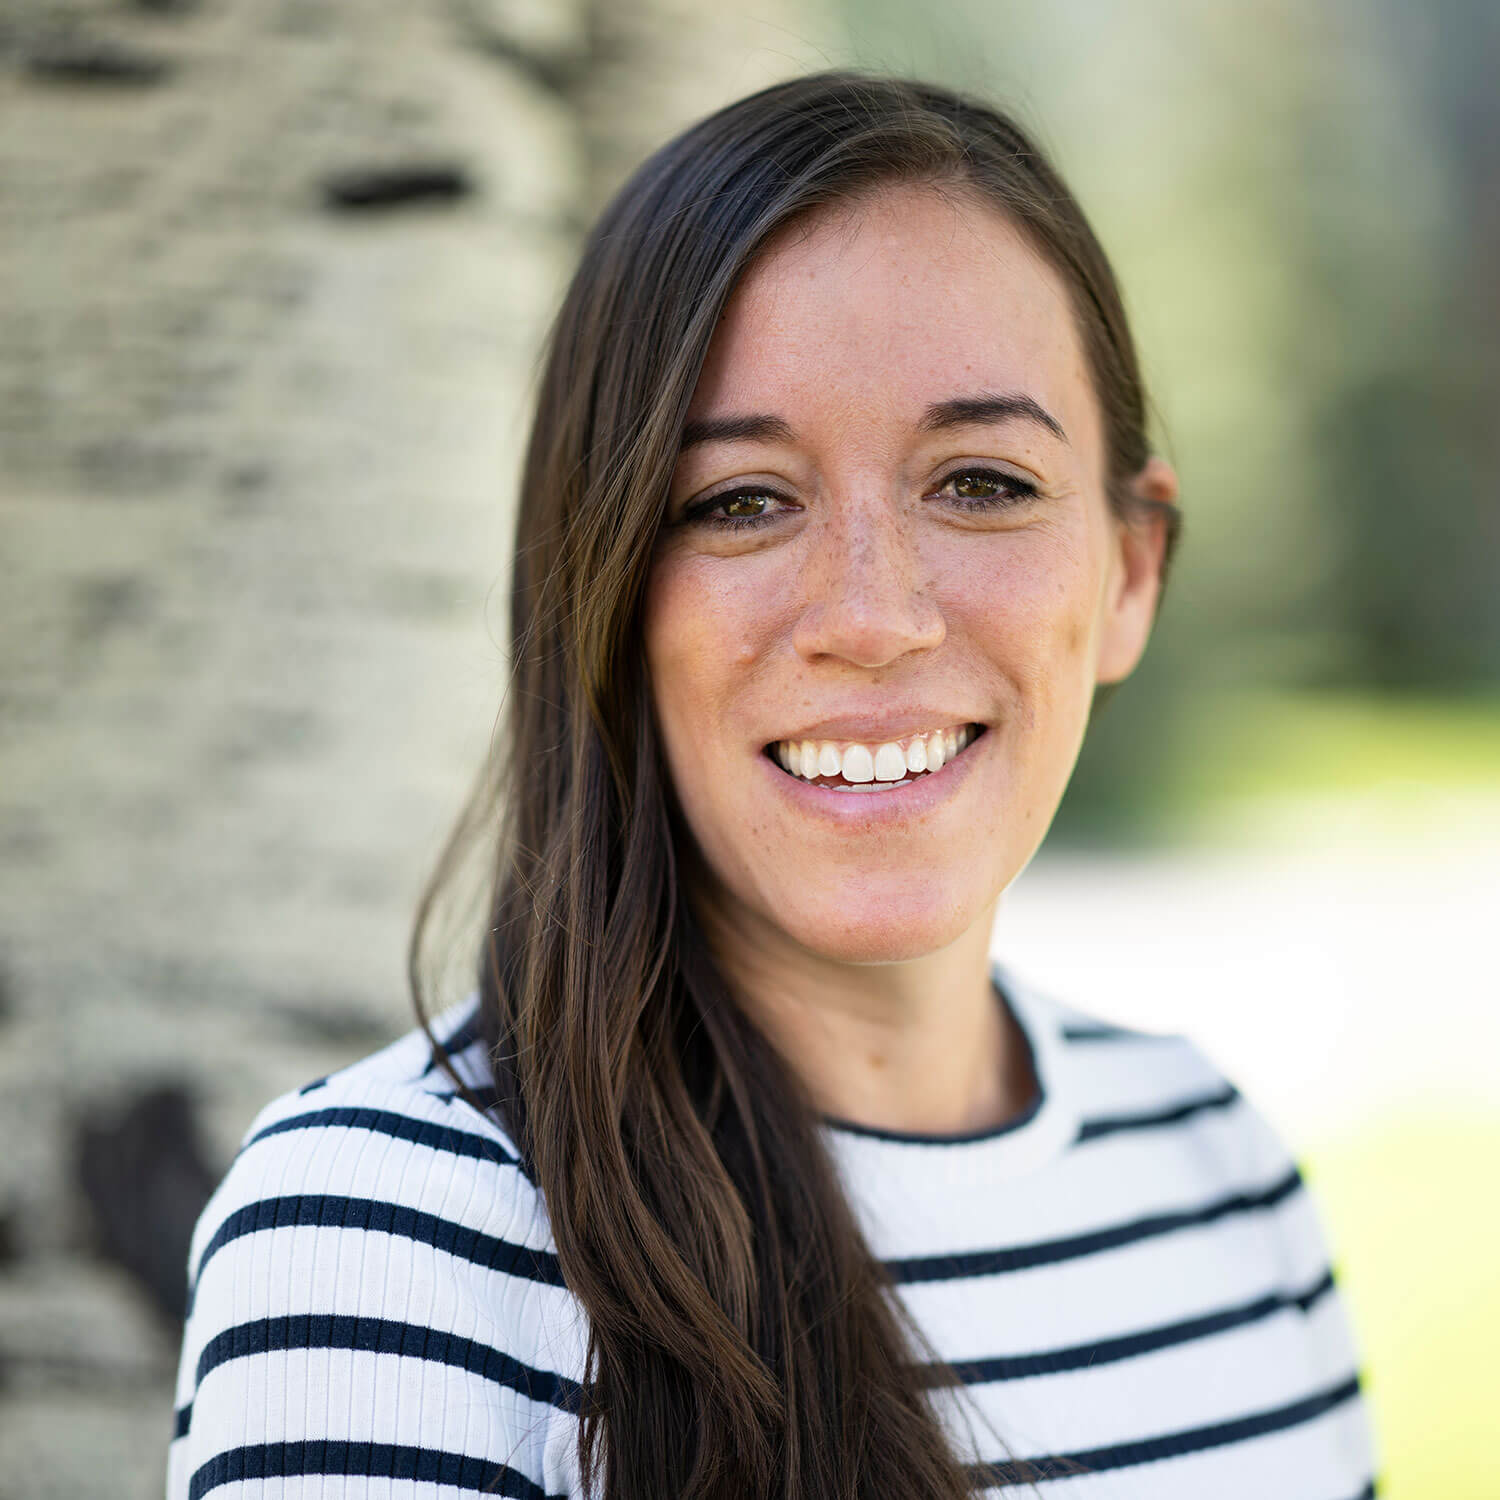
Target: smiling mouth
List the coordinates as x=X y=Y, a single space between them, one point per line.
x=846 y=767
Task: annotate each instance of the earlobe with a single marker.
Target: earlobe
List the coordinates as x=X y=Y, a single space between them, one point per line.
x=1133 y=606
x=1142 y=540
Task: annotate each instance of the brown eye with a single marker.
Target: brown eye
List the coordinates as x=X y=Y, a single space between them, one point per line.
x=745 y=505
x=973 y=486
x=984 y=489
x=734 y=508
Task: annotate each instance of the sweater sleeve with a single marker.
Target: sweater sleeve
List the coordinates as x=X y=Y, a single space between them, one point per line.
x=375 y=1308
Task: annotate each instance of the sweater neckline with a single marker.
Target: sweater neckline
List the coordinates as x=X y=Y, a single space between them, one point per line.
x=1042 y=1130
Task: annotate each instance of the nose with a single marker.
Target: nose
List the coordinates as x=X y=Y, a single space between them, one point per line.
x=863 y=600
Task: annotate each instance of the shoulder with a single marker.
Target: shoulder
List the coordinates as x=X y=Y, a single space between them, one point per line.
x=390 y=1132
x=375 y=1255
x=1113 y=1067
x=1156 y=1110
x=1151 y=1106
x=1209 y=1174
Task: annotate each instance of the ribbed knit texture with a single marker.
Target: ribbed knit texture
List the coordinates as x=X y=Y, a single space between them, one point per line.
x=1132 y=1278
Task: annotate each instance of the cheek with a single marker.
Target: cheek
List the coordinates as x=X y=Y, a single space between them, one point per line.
x=669 y=634
x=1033 y=603
x=698 y=641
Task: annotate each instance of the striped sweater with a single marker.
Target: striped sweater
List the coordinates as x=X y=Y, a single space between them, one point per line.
x=1131 y=1281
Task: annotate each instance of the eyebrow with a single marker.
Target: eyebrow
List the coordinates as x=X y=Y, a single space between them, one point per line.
x=959 y=411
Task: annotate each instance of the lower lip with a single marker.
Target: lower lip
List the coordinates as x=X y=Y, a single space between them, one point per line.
x=856 y=810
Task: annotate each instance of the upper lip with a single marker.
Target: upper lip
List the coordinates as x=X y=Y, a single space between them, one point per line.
x=878 y=729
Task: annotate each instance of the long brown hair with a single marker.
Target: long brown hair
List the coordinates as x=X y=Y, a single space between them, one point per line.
x=743 y=1340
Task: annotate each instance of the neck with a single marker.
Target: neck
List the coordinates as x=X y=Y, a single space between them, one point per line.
x=920 y=1046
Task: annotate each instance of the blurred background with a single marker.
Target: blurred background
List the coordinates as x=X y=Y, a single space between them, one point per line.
x=273 y=277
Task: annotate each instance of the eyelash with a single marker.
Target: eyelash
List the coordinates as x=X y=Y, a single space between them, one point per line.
x=1021 y=491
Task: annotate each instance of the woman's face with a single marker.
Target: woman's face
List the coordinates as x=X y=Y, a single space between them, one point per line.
x=890 y=533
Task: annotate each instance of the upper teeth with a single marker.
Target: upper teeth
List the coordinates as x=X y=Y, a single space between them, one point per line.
x=888 y=762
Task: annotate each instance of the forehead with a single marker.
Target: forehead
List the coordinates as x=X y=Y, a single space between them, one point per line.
x=878 y=306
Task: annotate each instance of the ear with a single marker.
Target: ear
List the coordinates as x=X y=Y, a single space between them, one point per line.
x=1139 y=545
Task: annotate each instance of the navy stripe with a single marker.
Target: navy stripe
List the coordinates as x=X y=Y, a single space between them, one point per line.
x=486 y=1102
x=1048 y=1252
x=373 y=1216
x=398 y=1126
x=317 y=1083
x=1147 y=1341
x=377 y=1460
x=1102 y=1031
x=383 y=1336
x=182 y=1419
x=1110 y=1124
x=1168 y=1445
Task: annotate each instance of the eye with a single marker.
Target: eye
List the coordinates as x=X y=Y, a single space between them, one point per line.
x=987 y=489
x=734 y=510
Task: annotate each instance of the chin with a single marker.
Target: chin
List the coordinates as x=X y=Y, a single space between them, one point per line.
x=879 y=931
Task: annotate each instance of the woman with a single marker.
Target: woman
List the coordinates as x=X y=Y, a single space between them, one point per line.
x=746 y=1173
